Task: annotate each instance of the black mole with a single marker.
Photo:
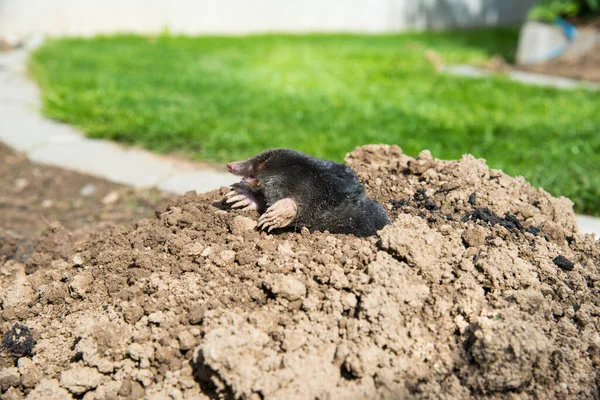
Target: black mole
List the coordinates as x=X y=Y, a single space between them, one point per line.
x=290 y=188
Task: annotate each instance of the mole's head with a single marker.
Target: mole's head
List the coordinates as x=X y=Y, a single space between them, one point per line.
x=255 y=170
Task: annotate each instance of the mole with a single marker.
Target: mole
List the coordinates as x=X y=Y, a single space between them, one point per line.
x=293 y=189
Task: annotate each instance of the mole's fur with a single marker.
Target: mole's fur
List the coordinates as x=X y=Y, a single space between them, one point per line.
x=299 y=190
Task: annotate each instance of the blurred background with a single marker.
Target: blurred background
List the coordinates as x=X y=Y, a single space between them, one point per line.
x=194 y=17
x=217 y=81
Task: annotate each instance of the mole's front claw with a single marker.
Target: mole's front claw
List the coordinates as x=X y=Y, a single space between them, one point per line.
x=279 y=215
x=245 y=204
x=236 y=198
x=241 y=197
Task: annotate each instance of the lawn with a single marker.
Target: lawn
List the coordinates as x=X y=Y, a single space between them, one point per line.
x=225 y=98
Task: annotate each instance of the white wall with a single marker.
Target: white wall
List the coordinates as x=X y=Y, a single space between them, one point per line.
x=20 y=18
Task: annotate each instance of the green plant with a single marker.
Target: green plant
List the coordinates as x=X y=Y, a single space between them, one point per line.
x=549 y=10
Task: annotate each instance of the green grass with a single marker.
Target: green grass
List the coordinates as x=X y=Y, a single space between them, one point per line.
x=225 y=98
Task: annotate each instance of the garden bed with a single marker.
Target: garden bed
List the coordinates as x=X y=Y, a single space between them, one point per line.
x=579 y=65
x=585 y=67
x=581 y=61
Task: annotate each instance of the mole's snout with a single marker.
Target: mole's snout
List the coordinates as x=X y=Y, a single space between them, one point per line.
x=239 y=168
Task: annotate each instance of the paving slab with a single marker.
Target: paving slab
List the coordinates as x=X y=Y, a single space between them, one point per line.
x=466 y=70
x=200 y=181
x=100 y=158
x=16 y=89
x=15 y=60
x=528 y=78
x=589 y=224
x=23 y=129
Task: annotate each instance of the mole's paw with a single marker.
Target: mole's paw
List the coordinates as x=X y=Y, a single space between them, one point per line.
x=241 y=201
x=279 y=215
x=240 y=198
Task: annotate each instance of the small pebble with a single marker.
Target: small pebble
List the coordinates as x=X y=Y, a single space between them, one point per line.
x=186 y=340
x=77 y=260
x=21 y=184
x=47 y=203
x=88 y=189
x=110 y=198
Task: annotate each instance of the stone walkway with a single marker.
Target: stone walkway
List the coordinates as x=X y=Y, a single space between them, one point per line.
x=528 y=78
x=23 y=128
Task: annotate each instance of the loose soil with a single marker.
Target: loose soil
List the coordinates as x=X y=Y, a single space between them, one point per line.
x=481 y=288
x=584 y=67
x=34 y=197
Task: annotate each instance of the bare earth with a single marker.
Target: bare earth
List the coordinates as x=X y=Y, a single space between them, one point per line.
x=34 y=196
x=459 y=298
x=585 y=67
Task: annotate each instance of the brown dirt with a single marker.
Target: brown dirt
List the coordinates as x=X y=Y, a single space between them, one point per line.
x=34 y=196
x=584 y=67
x=194 y=303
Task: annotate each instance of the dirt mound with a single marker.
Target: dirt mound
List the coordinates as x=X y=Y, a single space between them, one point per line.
x=34 y=196
x=465 y=295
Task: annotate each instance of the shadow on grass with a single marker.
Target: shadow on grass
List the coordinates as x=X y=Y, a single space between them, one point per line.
x=498 y=42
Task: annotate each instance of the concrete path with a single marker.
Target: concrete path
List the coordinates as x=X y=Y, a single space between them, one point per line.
x=589 y=224
x=527 y=78
x=23 y=128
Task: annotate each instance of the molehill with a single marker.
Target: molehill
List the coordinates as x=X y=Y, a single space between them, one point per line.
x=482 y=287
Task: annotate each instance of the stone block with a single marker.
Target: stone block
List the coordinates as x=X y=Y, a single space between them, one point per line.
x=540 y=42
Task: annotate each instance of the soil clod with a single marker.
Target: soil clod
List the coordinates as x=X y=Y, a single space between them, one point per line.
x=564 y=264
x=473 y=199
x=18 y=341
x=509 y=221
